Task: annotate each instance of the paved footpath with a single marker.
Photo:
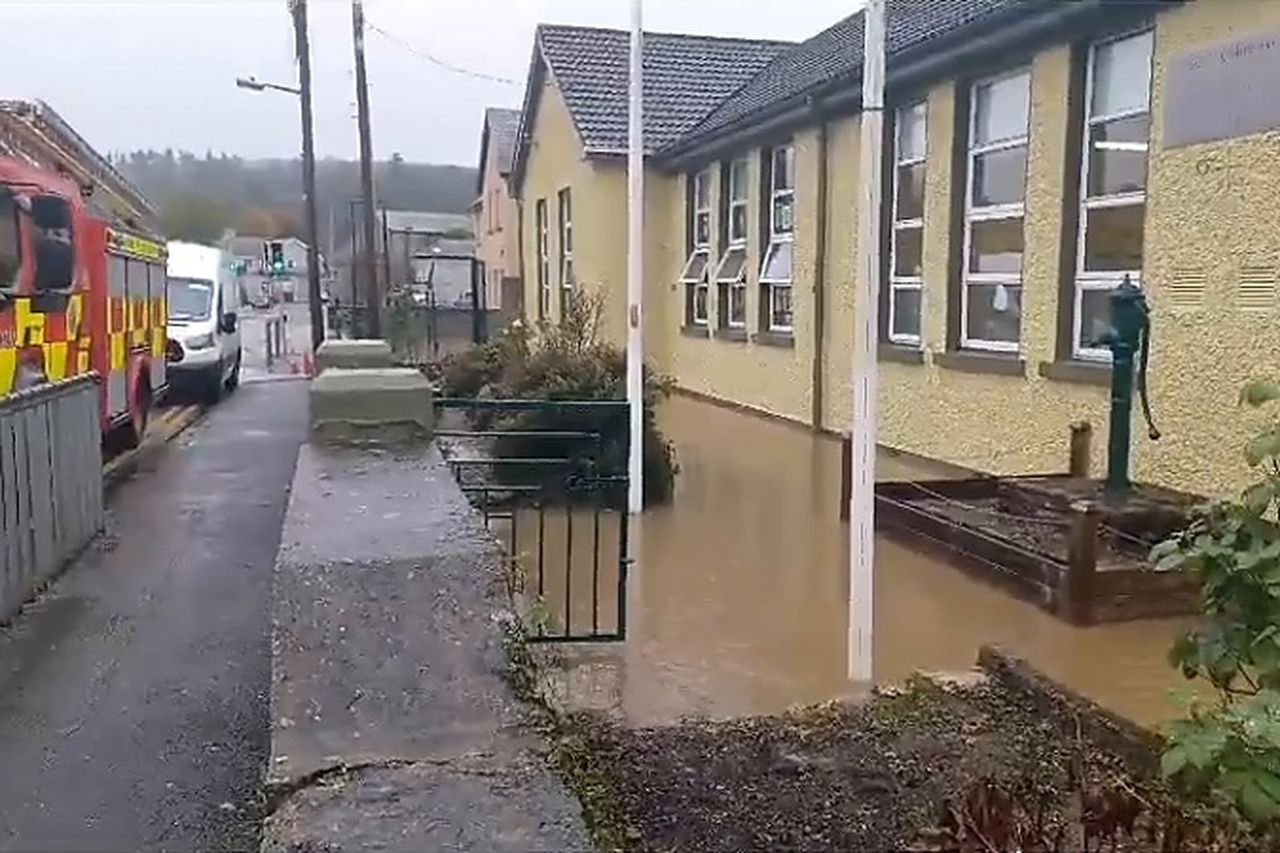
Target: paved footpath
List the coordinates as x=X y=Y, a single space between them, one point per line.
x=133 y=696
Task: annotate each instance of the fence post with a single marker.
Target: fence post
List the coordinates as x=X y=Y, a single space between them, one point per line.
x=1082 y=564
x=1081 y=440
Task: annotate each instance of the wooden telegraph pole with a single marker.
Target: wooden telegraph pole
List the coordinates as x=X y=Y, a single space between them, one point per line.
x=303 y=50
x=368 y=258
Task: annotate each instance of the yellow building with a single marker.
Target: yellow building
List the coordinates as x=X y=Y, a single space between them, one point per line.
x=1035 y=155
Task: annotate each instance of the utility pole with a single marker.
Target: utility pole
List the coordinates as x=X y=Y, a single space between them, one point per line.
x=862 y=459
x=635 y=264
x=368 y=259
x=303 y=49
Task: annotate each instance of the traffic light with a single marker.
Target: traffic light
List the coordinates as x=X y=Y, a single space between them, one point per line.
x=276 y=265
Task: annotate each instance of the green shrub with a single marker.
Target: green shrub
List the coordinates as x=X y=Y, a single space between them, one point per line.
x=1230 y=748
x=568 y=362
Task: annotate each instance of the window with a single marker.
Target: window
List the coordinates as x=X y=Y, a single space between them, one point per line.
x=731 y=272
x=1113 y=184
x=775 y=270
x=991 y=295
x=544 y=263
x=697 y=268
x=10 y=242
x=906 y=248
x=567 y=280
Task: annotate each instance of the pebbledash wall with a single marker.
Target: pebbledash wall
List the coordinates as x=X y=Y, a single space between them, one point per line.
x=1210 y=267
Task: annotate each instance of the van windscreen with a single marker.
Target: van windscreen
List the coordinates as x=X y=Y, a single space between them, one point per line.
x=190 y=299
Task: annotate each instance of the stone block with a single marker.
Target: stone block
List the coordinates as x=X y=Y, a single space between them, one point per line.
x=384 y=405
x=353 y=354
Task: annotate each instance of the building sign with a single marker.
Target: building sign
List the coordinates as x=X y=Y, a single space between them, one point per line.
x=1223 y=91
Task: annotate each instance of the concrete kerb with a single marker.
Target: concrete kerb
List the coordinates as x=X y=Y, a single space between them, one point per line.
x=393 y=723
x=169 y=425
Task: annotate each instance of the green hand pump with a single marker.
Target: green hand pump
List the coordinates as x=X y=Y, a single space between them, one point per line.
x=1130 y=335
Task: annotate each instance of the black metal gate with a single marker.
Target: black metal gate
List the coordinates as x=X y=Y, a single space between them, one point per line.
x=550 y=478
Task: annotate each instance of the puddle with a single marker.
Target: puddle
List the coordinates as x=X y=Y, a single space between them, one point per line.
x=738 y=600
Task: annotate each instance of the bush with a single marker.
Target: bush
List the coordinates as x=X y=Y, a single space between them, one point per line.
x=567 y=362
x=1230 y=749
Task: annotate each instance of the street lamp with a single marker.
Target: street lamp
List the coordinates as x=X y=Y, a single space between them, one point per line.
x=298 y=9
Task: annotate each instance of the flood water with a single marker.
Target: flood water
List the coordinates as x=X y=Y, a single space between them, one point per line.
x=738 y=597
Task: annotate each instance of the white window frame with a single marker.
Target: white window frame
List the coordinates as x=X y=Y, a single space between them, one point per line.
x=992 y=213
x=740 y=166
x=1105 y=280
x=775 y=285
x=728 y=287
x=544 y=260
x=897 y=282
x=700 y=284
x=564 y=210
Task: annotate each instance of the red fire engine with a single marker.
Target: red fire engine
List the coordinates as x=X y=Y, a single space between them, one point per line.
x=78 y=294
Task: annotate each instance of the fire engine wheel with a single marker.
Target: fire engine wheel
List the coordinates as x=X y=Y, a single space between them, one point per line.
x=136 y=429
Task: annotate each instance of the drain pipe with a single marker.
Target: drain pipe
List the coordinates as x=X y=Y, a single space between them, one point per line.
x=820 y=272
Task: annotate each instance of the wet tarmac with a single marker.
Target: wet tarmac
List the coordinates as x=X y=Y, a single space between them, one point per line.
x=739 y=597
x=133 y=694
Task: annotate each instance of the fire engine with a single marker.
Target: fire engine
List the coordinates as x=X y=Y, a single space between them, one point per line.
x=78 y=294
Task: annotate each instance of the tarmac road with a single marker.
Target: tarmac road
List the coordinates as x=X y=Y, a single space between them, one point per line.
x=133 y=695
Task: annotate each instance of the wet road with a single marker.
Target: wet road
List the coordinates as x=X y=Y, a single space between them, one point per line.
x=133 y=695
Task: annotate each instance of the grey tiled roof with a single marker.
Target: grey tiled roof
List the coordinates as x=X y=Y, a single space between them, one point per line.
x=685 y=77
x=424 y=222
x=836 y=54
x=502 y=125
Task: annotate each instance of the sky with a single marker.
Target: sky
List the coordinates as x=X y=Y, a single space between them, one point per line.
x=161 y=73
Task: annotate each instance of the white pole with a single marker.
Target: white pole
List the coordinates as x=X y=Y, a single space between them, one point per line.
x=635 y=265
x=865 y=336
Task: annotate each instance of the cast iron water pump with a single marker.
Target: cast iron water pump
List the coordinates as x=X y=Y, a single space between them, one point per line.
x=1130 y=335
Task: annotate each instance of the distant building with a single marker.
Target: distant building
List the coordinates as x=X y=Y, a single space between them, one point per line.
x=494 y=214
x=254 y=254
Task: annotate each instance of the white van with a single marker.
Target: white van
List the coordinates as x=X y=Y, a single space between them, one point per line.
x=204 y=320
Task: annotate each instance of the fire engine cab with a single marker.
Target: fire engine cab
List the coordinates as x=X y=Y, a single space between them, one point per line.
x=78 y=294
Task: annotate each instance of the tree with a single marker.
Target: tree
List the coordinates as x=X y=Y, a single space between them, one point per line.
x=193 y=217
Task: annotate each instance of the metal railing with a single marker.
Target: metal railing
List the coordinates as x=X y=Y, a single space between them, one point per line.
x=549 y=477
x=50 y=484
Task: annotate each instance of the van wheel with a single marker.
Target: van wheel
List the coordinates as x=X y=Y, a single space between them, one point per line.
x=233 y=381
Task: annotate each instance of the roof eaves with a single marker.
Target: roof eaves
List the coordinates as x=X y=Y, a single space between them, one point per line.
x=528 y=111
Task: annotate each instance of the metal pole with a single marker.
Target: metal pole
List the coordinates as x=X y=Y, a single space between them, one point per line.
x=368 y=260
x=309 y=174
x=862 y=458
x=635 y=264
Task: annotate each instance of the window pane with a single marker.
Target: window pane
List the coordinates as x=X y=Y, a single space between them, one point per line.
x=1113 y=238
x=906 y=311
x=783 y=211
x=784 y=160
x=911 y=132
x=700 y=303
x=738 y=222
x=1000 y=109
x=732 y=266
x=908 y=252
x=702 y=232
x=910 y=192
x=780 y=300
x=996 y=246
x=1095 y=318
x=1122 y=75
x=702 y=190
x=1000 y=177
x=737 y=305
x=777 y=265
x=694 y=267
x=738 y=180
x=1118 y=156
x=994 y=312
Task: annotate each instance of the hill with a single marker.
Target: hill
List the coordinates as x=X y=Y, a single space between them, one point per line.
x=198 y=197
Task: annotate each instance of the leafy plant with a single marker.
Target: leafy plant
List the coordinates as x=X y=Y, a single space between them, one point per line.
x=1231 y=748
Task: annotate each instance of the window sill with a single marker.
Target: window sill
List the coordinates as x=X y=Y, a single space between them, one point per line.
x=900 y=353
x=784 y=340
x=1078 y=371
x=969 y=361
x=732 y=333
x=695 y=331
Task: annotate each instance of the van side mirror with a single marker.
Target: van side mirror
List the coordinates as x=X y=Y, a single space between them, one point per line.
x=229 y=323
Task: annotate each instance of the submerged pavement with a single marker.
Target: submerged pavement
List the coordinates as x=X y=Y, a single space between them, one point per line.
x=392 y=725
x=133 y=694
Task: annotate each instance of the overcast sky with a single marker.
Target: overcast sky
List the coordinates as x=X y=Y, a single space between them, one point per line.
x=160 y=73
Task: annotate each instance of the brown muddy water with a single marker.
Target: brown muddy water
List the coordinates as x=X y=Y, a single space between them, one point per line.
x=738 y=596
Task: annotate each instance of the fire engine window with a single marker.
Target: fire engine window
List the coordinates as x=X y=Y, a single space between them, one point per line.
x=55 y=246
x=115 y=275
x=10 y=244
